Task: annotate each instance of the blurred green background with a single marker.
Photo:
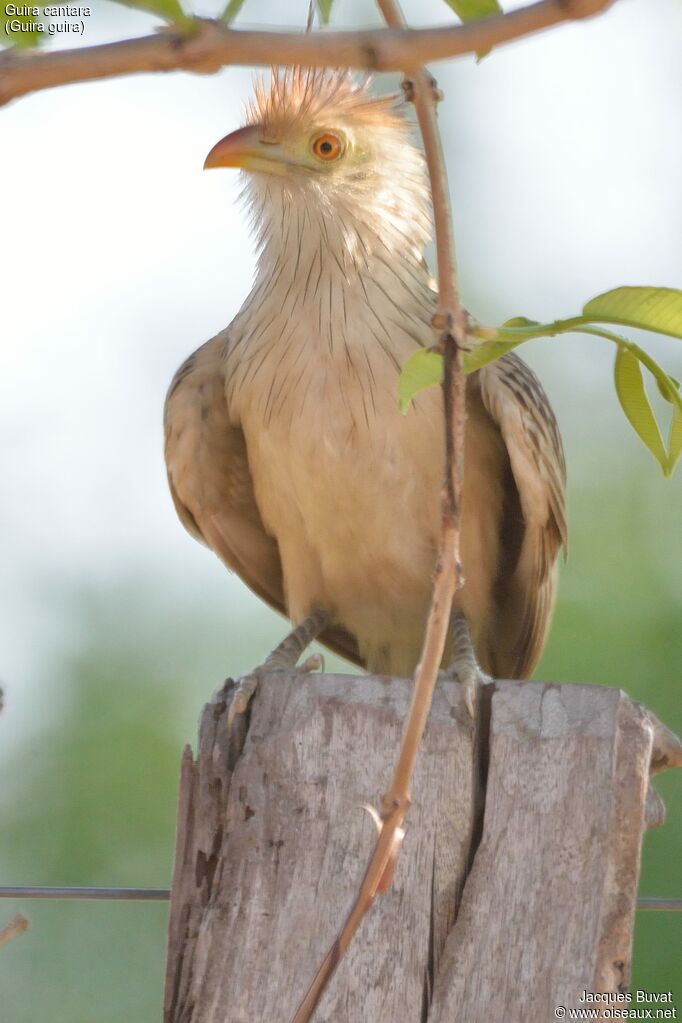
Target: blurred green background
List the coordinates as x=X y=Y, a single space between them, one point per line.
x=118 y=258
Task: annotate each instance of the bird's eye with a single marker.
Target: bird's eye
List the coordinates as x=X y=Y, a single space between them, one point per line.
x=327 y=147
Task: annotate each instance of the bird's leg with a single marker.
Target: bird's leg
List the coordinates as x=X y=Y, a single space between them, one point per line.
x=464 y=666
x=282 y=658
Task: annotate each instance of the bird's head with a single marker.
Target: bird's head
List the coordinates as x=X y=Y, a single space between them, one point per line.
x=319 y=141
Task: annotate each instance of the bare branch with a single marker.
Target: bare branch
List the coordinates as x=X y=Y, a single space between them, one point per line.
x=16 y=926
x=212 y=45
x=450 y=323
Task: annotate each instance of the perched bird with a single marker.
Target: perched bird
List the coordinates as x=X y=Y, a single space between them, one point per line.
x=287 y=453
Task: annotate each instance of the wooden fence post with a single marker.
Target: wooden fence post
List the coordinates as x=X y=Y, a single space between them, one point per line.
x=272 y=843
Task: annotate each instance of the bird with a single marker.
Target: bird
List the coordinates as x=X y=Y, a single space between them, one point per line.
x=286 y=450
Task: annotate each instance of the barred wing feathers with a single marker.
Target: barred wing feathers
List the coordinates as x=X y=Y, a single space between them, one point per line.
x=514 y=398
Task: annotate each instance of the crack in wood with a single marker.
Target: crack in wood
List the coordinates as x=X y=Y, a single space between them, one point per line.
x=515 y=889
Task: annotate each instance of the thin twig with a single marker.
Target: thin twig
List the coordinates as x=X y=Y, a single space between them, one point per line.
x=210 y=45
x=450 y=323
x=16 y=926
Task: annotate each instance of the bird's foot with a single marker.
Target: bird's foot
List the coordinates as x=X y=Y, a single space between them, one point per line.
x=283 y=658
x=248 y=684
x=464 y=667
x=470 y=677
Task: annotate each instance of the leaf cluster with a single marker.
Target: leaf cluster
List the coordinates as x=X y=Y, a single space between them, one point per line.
x=30 y=36
x=643 y=308
x=173 y=13
x=466 y=10
x=170 y=11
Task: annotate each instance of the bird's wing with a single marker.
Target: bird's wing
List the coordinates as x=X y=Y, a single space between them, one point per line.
x=534 y=526
x=211 y=485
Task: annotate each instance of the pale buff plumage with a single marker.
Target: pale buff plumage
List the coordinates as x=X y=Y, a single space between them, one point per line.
x=286 y=450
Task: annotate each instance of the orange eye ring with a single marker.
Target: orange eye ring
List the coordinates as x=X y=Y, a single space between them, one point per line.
x=327 y=147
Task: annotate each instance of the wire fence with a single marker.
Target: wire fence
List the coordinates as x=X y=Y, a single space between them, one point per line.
x=163 y=895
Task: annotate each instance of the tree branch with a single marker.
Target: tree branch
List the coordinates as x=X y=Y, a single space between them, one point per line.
x=16 y=926
x=211 y=45
x=450 y=323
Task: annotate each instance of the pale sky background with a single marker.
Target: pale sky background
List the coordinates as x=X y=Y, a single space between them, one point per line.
x=119 y=256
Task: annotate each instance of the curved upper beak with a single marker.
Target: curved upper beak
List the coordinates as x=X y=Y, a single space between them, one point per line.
x=235 y=149
x=246 y=149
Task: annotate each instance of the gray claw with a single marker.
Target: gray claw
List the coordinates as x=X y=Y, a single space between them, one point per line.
x=470 y=694
x=471 y=679
x=243 y=694
x=248 y=684
x=313 y=663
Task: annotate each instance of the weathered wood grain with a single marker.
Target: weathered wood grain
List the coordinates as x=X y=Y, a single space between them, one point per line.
x=270 y=855
x=548 y=909
x=272 y=845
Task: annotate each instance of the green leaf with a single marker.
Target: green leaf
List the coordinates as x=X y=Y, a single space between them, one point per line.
x=670 y=392
x=496 y=343
x=423 y=369
x=21 y=30
x=520 y=321
x=675 y=439
x=667 y=385
x=169 y=10
x=325 y=9
x=658 y=309
x=231 y=11
x=488 y=351
x=665 y=390
x=635 y=404
x=472 y=10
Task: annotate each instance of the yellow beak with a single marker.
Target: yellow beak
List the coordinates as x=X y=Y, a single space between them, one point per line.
x=246 y=149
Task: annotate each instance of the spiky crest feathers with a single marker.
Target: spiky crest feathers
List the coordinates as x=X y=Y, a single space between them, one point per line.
x=299 y=98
